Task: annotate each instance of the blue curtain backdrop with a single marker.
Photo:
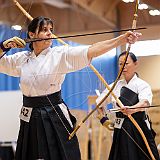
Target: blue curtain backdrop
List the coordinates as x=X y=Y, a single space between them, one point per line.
x=78 y=85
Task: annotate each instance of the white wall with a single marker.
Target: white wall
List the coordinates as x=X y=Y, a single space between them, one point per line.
x=10 y=105
x=149 y=70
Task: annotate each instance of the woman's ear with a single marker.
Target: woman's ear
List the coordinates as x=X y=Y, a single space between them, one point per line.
x=31 y=35
x=136 y=64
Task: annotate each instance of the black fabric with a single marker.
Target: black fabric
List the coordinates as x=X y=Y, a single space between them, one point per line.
x=128 y=97
x=103 y=119
x=3 y=48
x=123 y=147
x=6 y=153
x=45 y=137
x=41 y=101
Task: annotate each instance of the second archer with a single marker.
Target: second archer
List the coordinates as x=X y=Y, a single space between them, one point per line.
x=132 y=91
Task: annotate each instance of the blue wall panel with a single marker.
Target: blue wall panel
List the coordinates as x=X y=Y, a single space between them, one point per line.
x=6 y=82
x=78 y=85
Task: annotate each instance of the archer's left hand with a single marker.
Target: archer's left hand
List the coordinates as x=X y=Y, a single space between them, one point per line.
x=132 y=37
x=126 y=110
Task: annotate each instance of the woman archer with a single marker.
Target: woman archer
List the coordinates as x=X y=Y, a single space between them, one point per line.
x=44 y=131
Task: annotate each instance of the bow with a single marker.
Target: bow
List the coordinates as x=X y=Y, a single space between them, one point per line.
x=129 y=116
x=114 y=84
x=117 y=100
x=110 y=89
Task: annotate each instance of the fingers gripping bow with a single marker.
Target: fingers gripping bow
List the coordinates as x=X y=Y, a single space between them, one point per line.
x=14 y=42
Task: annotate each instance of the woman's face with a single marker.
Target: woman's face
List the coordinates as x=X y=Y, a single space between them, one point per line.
x=46 y=32
x=129 y=68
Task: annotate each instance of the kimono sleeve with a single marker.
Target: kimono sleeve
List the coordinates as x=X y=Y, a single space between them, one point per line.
x=10 y=64
x=74 y=58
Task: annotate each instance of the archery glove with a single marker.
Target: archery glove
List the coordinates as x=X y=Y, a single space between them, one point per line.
x=20 y=43
x=106 y=122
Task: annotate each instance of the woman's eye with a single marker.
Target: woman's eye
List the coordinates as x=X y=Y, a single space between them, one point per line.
x=44 y=29
x=120 y=64
x=51 y=30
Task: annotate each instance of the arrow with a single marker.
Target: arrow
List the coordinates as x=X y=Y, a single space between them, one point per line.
x=81 y=35
x=132 y=107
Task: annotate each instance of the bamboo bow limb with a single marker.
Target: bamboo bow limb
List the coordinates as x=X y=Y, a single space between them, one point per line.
x=31 y=18
x=23 y=10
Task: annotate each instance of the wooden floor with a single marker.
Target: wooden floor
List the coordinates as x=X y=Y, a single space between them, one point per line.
x=95 y=140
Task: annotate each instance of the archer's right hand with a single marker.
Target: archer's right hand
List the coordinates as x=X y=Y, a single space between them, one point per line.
x=14 y=42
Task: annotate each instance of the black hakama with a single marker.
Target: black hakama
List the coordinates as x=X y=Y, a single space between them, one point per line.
x=44 y=136
x=124 y=148
x=127 y=141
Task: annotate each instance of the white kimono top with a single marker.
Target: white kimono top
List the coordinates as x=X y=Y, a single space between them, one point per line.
x=136 y=84
x=45 y=73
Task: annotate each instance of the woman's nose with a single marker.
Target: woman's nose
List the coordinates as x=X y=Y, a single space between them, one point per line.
x=49 y=32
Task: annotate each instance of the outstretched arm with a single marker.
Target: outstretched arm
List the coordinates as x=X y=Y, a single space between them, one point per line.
x=102 y=47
